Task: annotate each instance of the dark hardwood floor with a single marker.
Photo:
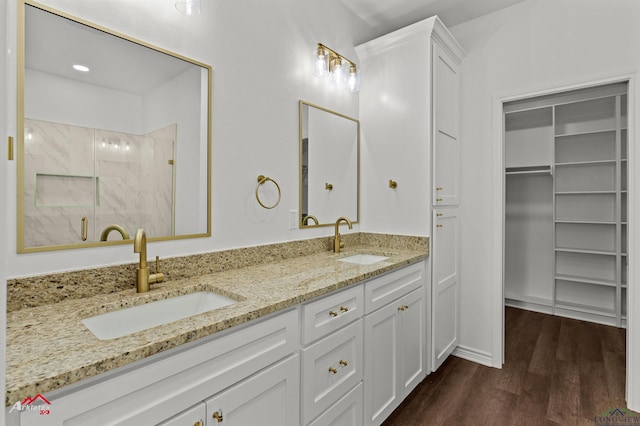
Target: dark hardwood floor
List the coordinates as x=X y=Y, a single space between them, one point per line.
x=557 y=371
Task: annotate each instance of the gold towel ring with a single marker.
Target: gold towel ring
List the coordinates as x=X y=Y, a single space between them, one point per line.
x=262 y=179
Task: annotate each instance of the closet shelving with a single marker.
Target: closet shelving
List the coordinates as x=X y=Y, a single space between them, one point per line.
x=581 y=220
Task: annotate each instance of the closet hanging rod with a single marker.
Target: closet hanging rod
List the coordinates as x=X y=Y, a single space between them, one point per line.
x=529 y=170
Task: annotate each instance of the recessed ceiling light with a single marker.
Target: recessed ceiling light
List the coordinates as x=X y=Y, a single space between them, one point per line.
x=81 y=68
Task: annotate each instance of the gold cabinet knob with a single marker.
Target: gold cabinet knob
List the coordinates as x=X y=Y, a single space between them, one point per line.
x=344 y=309
x=218 y=416
x=343 y=363
x=333 y=313
x=332 y=370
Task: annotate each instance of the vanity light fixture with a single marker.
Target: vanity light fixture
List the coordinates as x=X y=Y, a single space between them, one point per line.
x=342 y=71
x=188 y=7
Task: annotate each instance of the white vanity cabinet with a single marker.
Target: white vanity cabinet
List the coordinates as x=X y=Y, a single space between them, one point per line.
x=270 y=397
x=395 y=340
x=154 y=389
x=332 y=359
x=194 y=416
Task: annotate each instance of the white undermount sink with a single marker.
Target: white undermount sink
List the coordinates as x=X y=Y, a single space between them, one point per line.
x=363 y=259
x=137 y=318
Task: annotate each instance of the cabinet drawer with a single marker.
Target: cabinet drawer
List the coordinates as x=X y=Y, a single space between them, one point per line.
x=347 y=411
x=328 y=314
x=387 y=288
x=330 y=368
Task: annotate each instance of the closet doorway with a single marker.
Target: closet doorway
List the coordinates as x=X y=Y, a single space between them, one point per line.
x=565 y=220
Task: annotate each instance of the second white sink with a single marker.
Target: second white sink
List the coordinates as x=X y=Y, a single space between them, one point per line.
x=363 y=259
x=130 y=320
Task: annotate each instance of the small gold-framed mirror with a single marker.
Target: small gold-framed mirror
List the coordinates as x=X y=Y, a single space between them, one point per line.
x=329 y=166
x=114 y=134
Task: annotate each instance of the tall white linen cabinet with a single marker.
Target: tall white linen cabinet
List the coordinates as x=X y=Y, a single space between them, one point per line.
x=409 y=111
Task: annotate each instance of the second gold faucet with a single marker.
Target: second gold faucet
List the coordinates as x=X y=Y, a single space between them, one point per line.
x=144 y=278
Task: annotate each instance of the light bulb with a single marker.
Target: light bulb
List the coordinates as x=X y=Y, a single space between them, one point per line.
x=321 y=63
x=353 y=82
x=337 y=72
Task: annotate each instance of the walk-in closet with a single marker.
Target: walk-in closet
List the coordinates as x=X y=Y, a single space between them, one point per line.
x=566 y=204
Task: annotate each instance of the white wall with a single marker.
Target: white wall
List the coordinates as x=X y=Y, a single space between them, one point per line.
x=535 y=46
x=171 y=103
x=51 y=98
x=261 y=58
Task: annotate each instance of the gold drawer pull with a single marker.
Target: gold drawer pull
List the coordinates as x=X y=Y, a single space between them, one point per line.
x=403 y=308
x=439 y=226
x=333 y=313
x=332 y=370
x=218 y=416
x=439 y=188
x=438 y=199
x=439 y=214
x=343 y=363
x=344 y=308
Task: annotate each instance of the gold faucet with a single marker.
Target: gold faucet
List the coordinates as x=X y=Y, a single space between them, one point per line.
x=114 y=227
x=144 y=278
x=337 y=245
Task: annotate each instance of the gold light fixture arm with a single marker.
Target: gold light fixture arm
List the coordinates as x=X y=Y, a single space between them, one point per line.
x=336 y=54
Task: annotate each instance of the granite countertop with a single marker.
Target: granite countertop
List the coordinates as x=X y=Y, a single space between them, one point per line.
x=48 y=347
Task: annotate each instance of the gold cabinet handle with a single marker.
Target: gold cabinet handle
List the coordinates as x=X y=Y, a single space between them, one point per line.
x=333 y=313
x=439 y=188
x=332 y=370
x=198 y=423
x=393 y=184
x=439 y=214
x=439 y=226
x=218 y=416
x=328 y=186
x=343 y=363
x=344 y=309
x=403 y=308
x=438 y=199
x=85 y=227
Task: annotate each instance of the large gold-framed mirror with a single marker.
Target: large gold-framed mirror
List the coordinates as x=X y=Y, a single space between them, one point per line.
x=329 y=166
x=104 y=150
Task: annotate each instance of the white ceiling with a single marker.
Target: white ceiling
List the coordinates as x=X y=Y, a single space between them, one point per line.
x=393 y=14
x=53 y=44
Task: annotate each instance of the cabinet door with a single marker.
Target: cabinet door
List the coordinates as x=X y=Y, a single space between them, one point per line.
x=411 y=340
x=268 y=398
x=194 y=416
x=445 y=133
x=445 y=288
x=381 y=366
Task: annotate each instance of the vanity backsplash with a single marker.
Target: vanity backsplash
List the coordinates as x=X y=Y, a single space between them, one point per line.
x=29 y=292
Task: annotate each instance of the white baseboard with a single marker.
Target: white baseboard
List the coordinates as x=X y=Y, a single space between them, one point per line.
x=473 y=355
